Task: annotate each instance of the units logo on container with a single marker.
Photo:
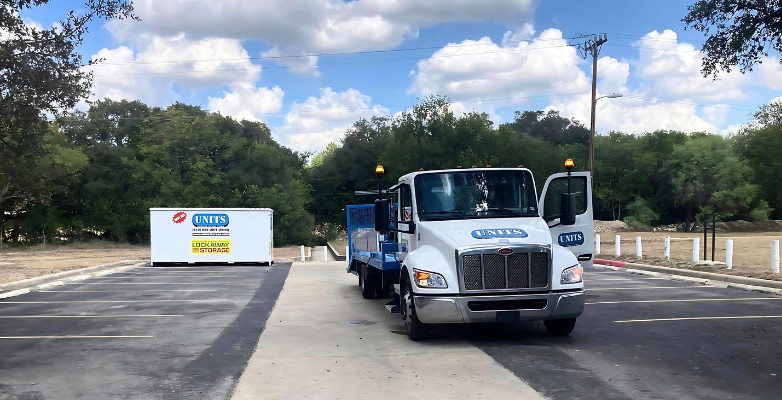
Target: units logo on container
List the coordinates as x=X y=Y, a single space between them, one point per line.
x=498 y=233
x=570 y=239
x=179 y=217
x=210 y=220
x=211 y=246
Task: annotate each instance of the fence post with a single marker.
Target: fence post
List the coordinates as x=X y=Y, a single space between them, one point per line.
x=775 y=256
x=618 y=247
x=597 y=244
x=302 y=253
x=668 y=248
x=729 y=253
x=696 y=246
x=638 y=248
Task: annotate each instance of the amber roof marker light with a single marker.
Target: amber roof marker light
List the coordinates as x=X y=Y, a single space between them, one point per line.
x=569 y=165
x=379 y=170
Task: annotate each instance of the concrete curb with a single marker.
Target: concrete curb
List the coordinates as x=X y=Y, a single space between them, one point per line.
x=11 y=289
x=739 y=282
x=335 y=254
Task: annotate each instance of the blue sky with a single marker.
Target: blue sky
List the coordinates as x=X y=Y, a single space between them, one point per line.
x=494 y=56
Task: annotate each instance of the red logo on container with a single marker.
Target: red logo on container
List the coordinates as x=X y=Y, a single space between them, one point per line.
x=180 y=217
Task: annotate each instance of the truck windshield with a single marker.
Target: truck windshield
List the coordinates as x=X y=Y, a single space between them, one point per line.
x=476 y=194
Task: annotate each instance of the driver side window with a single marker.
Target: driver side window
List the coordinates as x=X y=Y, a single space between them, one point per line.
x=405 y=204
x=553 y=201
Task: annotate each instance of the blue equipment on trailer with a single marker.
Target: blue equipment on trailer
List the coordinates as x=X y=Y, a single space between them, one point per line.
x=368 y=247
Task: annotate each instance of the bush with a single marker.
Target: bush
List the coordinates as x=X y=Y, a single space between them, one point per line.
x=761 y=212
x=634 y=225
x=641 y=213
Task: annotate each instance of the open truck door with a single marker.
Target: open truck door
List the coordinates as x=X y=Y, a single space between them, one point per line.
x=580 y=236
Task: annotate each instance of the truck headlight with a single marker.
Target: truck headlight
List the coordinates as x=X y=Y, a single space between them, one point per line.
x=429 y=280
x=572 y=274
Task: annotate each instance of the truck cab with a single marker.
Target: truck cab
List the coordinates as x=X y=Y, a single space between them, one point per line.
x=476 y=245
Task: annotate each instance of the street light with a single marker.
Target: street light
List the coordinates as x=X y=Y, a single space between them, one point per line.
x=592 y=131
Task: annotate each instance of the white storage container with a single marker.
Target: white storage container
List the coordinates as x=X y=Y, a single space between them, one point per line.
x=211 y=235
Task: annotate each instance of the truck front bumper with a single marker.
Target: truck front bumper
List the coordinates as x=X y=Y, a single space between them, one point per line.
x=493 y=308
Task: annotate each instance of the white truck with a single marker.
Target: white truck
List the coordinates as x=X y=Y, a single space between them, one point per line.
x=476 y=245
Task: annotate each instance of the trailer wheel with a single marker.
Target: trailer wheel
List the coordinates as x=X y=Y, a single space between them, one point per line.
x=560 y=327
x=416 y=330
x=367 y=282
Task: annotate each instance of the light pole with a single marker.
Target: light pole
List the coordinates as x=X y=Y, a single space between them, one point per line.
x=592 y=131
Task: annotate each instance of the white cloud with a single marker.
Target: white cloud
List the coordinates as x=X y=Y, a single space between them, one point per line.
x=311 y=125
x=483 y=69
x=771 y=73
x=612 y=75
x=246 y=101
x=314 y=25
x=152 y=74
x=670 y=69
x=301 y=63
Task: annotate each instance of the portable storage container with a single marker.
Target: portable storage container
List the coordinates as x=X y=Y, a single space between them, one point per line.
x=211 y=235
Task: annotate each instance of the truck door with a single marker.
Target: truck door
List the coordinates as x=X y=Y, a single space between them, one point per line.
x=578 y=238
x=405 y=216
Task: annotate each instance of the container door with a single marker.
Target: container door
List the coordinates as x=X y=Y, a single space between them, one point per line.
x=578 y=238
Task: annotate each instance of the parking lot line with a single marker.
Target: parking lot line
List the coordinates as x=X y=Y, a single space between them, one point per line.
x=164 y=276
x=654 y=287
x=621 y=279
x=151 y=283
x=78 y=337
x=684 y=300
x=127 y=291
x=94 y=316
x=701 y=318
x=105 y=301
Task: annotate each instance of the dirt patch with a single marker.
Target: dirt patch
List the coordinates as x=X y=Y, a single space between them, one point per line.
x=17 y=263
x=751 y=251
x=610 y=226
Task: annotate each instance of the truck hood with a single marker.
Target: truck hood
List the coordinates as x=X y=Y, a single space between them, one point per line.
x=494 y=231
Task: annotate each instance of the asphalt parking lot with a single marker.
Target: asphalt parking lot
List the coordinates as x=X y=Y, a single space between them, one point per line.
x=145 y=333
x=649 y=338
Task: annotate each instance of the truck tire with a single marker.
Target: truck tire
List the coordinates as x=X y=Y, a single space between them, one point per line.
x=560 y=327
x=416 y=330
x=367 y=283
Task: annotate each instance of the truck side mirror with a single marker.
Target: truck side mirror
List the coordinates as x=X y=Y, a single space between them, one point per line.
x=568 y=209
x=382 y=216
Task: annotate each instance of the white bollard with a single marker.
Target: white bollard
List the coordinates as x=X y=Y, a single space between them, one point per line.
x=729 y=253
x=617 y=247
x=775 y=256
x=347 y=253
x=302 y=253
x=325 y=253
x=638 y=250
x=597 y=244
x=696 y=249
x=668 y=248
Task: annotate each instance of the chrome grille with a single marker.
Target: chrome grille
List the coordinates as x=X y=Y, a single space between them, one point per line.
x=514 y=271
x=471 y=267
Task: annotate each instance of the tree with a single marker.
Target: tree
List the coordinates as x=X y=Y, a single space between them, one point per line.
x=40 y=72
x=709 y=177
x=740 y=32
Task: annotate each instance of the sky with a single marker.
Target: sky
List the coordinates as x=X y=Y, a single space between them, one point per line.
x=310 y=68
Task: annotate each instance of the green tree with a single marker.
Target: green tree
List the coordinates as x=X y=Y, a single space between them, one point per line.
x=739 y=32
x=709 y=177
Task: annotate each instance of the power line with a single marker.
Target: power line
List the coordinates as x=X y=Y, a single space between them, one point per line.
x=152 y=62
x=514 y=50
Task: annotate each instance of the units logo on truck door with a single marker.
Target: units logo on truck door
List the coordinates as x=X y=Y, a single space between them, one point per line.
x=570 y=239
x=211 y=246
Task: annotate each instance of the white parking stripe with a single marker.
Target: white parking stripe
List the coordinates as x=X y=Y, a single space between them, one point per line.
x=684 y=300
x=106 y=301
x=152 y=283
x=93 y=316
x=75 y=337
x=165 y=276
x=621 y=279
x=127 y=291
x=653 y=287
x=701 y=318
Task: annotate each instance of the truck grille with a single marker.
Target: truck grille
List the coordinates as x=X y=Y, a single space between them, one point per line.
x=515 y=271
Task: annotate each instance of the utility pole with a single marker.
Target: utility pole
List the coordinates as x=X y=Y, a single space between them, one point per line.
x=591 y=46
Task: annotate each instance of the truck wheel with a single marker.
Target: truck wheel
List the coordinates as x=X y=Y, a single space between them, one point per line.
x=367 y=282
x=560 y=327
x=416 y=330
